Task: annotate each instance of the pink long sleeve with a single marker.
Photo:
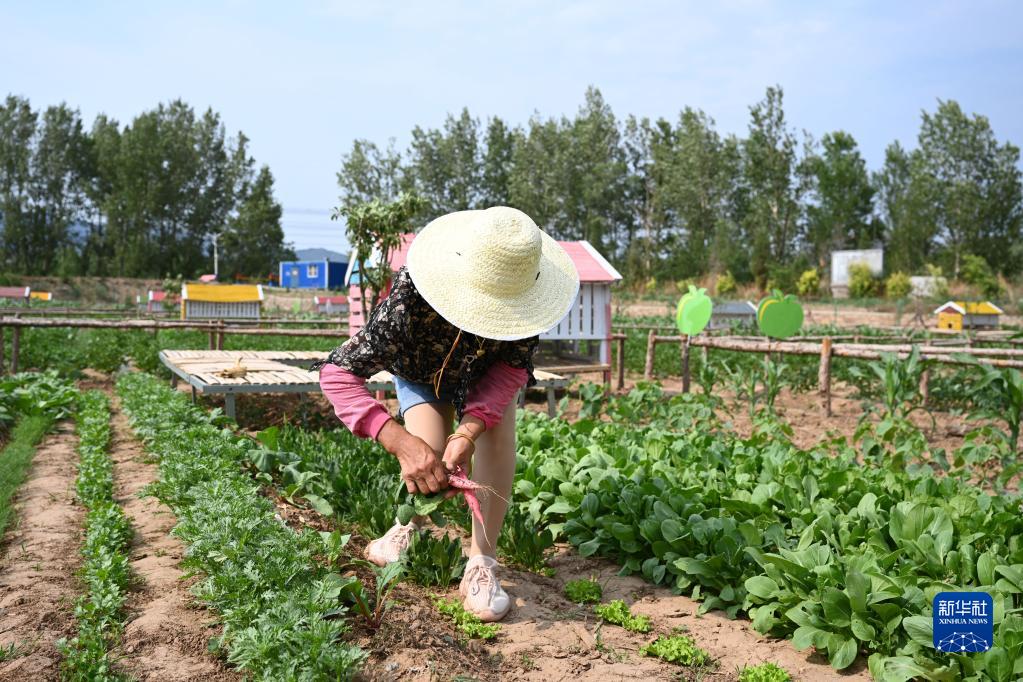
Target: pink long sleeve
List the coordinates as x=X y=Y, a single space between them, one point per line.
x=352 y=402
x=492 y=394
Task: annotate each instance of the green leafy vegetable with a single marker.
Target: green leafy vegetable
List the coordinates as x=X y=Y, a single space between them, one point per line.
x=617 y=613
x=467 y=623
x=583 y=591
x=679 y=649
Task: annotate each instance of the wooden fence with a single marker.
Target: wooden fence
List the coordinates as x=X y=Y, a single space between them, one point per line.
x=827 y=349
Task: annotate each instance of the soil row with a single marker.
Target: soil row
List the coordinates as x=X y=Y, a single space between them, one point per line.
x=165 y=637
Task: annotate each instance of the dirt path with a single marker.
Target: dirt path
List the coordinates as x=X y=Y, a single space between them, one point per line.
x=165 y=638
x=37 y=573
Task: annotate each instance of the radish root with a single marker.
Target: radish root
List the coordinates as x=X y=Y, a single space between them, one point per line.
x=472 y=491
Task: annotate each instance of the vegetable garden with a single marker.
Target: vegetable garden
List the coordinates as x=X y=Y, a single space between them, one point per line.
x=838 y=546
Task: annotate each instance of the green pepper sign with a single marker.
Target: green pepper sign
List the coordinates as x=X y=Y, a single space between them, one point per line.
x=779 y=316
x=694 y=310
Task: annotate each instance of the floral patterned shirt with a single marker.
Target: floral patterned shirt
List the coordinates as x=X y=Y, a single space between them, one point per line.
x=409 y=339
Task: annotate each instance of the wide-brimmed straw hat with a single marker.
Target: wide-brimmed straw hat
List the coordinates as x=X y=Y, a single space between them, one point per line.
x=493 y=273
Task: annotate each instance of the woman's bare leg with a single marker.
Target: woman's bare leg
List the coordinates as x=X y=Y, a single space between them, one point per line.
x=433 y=422
x=493 y=466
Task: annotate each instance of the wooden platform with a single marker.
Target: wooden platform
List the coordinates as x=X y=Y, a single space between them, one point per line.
x=271 y=371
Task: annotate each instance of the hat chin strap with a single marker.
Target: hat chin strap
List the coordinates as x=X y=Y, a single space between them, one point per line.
x=439 y=374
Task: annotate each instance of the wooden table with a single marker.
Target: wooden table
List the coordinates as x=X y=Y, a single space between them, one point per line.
x=271 y=371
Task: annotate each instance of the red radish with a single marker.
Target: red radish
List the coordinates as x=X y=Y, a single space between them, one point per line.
x=470 y=491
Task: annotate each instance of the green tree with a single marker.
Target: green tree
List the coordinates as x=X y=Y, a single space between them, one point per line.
x=59 y=189
x=771 y=159
x=647 y=230
x=570 y=175
x=537 y=183
x=368 y=173
x=445 y=166
x=104 y=154
x=596 y=172
x=253 y=243
x=176 y=181
x=499 y=142
x=43 y=182
x=839 y=215
x=904 y=212
x=696 y=191
x=974 y=185
x=17 y=133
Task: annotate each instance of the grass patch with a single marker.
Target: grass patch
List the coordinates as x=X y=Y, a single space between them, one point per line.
x=15 y=459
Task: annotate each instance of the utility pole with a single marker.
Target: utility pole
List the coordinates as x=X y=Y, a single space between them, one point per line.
x=216 y=263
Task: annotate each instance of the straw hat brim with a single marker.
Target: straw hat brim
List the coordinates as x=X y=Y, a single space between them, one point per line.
x=438 y=272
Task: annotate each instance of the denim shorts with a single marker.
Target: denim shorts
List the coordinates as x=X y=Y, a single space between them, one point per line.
x=411 y=394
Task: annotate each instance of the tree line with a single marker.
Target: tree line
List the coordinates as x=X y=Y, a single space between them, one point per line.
x=140 y=200
x=677 y=199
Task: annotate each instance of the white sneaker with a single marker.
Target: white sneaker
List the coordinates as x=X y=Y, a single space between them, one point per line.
x=388 y=548
x=484 y=597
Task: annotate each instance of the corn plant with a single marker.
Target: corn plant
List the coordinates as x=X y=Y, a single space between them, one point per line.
x=1006 y=385
x=742 y=381
x=900 y=382
x=774 y=380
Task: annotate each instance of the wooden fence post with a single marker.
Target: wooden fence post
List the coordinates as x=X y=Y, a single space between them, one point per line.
x=620 y=359
x=648 y=368
x=15 y=349
x=824 y=375
x=685 y=363
x=925 y=387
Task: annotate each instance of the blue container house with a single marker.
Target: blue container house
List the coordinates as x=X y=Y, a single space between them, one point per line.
x=312 y=274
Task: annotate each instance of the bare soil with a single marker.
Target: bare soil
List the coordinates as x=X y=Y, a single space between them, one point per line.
x=40 y=560
x=166 y=636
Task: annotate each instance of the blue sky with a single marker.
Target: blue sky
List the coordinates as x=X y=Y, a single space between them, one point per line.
x=303 y=79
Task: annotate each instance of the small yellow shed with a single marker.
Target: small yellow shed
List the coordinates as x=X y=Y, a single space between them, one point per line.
x=220 y=301
x=959 y=315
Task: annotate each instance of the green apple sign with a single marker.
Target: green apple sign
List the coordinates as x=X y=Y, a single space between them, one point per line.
x=694 y=309
x=779 y=316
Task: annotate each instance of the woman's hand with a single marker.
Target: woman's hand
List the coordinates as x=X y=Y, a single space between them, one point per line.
x=458 y=453
x=421 y=468
x=460 y=450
